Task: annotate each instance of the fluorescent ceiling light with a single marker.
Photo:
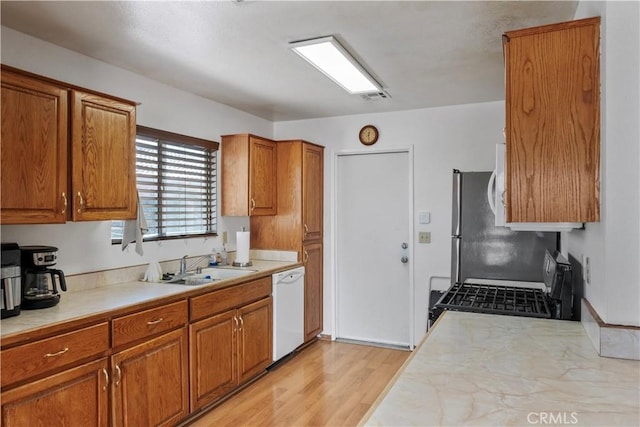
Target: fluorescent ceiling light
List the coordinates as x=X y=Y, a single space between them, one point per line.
x=333 y=60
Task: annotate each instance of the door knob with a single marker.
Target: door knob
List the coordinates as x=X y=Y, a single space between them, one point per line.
x=404 y=259
x=404 y=245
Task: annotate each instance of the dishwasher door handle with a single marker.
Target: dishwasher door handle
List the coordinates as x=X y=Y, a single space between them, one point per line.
x=291 y=278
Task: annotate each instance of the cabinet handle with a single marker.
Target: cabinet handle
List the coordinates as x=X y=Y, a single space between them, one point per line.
x=64 y=202
x=235 y=319
x=306 y=230
x=81 y=200
x=58 y=353
x=253 y=204
x=154 y=322
x=241 y=323
x=119 y=372
x=305 y=258
x=106 y=379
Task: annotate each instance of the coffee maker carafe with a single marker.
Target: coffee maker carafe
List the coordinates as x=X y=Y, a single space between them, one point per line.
x=39 y=288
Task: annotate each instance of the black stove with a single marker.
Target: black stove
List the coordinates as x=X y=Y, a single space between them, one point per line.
x=496 y=299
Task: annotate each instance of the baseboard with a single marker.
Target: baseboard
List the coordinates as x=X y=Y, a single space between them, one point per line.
x=616 y=341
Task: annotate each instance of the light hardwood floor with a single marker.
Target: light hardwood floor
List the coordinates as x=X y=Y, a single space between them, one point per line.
x=326 y=384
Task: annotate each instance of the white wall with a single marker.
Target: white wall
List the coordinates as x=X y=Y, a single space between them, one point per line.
x=86 y=246
x=461 y=137
x=613 y=245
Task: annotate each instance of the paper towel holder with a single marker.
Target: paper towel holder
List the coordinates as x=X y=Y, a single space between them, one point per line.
x=242 y=264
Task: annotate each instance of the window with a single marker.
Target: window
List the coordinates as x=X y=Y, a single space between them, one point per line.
x=176 y=178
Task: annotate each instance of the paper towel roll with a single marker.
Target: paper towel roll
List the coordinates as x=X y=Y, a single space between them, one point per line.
x=242 y=247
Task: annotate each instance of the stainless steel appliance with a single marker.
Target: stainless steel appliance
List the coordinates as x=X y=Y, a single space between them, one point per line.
x=497 y=270
x=481 y=250
x=11 y=291
x=39 y=282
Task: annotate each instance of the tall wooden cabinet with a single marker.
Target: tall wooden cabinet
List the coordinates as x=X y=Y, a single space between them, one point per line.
x=248 y=175
x=67 y=153
x=553 y=122
x=298 y=226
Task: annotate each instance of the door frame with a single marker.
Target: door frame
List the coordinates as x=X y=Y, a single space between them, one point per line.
x=334 y=233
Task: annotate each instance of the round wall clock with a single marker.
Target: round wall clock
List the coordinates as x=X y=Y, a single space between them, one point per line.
x=368 y=135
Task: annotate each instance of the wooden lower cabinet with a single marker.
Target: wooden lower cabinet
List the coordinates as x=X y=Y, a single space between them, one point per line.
x=75 y=397
x=228 y=349
x=313 y=295
x=213 y=358
x=150 y=382
x=255 y=338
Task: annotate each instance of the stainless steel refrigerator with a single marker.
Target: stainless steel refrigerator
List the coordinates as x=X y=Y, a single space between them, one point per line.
x=479 y=249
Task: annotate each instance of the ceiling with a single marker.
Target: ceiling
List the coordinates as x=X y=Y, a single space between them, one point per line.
x=425 y=53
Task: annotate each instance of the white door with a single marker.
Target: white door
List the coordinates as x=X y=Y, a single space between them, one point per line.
x=373 y=222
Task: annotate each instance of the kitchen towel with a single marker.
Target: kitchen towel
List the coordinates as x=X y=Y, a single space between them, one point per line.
x=242 y=247
x=134 y=229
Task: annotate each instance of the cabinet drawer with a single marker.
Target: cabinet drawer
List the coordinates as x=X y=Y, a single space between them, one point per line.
x=46 y=355
x=226 y=299
x=147 y=323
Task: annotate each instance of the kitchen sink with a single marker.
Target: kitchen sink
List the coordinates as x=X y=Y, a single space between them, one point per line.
x=208 y=275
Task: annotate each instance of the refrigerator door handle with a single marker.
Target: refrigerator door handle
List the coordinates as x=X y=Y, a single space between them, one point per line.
x=457 y=202
x=491 y=192
x=455 y=259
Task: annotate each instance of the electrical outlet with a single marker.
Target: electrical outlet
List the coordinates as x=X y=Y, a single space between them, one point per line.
x=424 y=237
x=586 y=270
x=224 y=237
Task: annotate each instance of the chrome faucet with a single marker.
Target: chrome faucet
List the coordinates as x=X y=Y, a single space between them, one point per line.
x=183 y=265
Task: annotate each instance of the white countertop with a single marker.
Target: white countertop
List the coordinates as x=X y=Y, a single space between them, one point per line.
x=90 y=302
x=482 y=369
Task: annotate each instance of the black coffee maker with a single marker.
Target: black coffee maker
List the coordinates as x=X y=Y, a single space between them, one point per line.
x=39 y=289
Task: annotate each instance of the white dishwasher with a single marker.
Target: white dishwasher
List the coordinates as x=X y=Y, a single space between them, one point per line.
x=288 y=311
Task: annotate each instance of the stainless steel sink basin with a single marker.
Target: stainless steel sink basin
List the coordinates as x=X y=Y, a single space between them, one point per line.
x=208 y=275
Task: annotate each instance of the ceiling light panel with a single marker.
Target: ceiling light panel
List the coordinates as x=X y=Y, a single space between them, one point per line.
x=333 y=60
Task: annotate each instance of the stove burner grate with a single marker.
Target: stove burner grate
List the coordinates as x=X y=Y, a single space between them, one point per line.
x=495 y=299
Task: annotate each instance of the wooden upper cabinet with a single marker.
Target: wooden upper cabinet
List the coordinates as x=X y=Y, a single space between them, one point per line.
x=312 y=189
x=103 y=158
x=553 y=122
x=53 y=132
x=248 y=176
x=34 y=151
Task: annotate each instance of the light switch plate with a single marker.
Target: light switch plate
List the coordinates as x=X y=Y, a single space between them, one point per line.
x=424 y=217
x=424 y=237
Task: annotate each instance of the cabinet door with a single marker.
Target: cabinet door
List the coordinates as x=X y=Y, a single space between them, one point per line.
x=75 y=397
x=262 y=177
x=312 y=257
x=150 y=384
x=34 y=151
x=553 y=123
x=103 y=158
x=312 y=191
x=212 y=351
x=255 y=338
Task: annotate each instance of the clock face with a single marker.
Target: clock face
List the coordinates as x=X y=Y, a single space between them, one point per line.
x=368 y=135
